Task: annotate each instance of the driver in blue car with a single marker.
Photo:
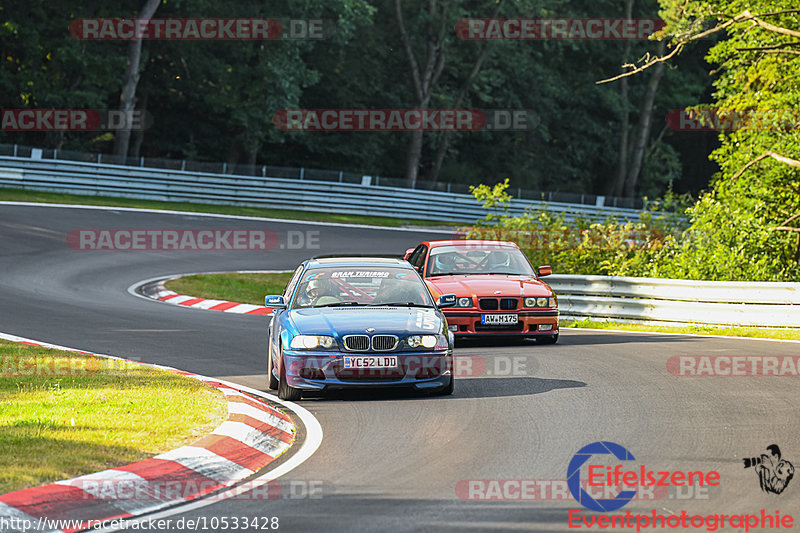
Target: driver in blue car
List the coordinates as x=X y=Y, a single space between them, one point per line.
x=317 y=292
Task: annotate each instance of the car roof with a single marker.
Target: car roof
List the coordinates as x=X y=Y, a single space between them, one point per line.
x=358 y=262
x=472 y=242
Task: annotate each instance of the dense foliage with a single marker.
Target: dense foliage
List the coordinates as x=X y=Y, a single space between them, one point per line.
x=215 y=100
x=747 y=227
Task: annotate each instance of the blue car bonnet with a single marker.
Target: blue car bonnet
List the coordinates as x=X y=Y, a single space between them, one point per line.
x=339 y=321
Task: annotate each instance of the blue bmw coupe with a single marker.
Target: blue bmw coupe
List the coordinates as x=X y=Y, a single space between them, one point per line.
x=355 y=322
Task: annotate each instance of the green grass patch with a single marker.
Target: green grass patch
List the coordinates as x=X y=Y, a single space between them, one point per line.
x=728 y=331
x=65 y=414
x=22 y=195
x=233 y=287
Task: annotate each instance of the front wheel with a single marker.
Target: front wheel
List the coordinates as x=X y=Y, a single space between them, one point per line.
x=273 y=381
x=447 y=390
x=549 y=339
x=285 y=392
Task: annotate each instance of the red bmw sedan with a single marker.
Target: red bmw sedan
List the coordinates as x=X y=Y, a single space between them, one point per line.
x=498 y=291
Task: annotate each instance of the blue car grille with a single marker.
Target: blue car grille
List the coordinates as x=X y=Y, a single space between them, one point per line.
x=384 y=343
x=357 y=343
x=363 y=343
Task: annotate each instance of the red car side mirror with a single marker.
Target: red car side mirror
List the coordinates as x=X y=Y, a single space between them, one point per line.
x=408 y=253
x=545 y=271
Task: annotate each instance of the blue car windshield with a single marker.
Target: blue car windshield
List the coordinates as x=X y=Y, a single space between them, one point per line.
x=361 y=286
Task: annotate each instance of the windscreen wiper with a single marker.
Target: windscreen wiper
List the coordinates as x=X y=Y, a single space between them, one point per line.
x=403 y=304
x=341 y=304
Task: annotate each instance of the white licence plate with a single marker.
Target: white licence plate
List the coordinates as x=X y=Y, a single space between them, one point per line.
x=370 y=361
x=499 y=319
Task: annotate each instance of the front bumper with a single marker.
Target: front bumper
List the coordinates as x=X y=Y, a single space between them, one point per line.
x=530 y=323
x=325 y=370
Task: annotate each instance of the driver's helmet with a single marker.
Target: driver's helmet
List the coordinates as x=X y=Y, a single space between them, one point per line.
x=443 y=262
x=499 y=259
x=315 y=289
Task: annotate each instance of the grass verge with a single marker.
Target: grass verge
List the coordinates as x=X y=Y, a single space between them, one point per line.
x=22 y=195
x=728 y=331
x=251 y=288
x=233 y=287
x=65 y=414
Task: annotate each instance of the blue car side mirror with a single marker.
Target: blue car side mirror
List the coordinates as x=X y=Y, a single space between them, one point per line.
x=274 y=302
x=446 y=300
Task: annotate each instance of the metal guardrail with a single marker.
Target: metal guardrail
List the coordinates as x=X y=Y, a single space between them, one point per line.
x=304 y=173
x=723 y=303
x=270 y=192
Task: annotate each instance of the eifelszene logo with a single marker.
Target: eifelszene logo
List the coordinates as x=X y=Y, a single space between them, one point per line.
x=774 y=473
x=606 y=481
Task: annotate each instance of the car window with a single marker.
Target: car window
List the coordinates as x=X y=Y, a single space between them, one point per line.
x=418 y=256
x=481 y=259
x=367 y=286
x=287 y=292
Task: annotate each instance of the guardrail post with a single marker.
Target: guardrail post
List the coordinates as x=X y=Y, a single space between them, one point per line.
x=449 y=186
x=15 y=150
x=141 y=161
x=55 y=153
x=183 y=164
x=302 y=172
x=263 y=171
x=98 y=158
x=340 y=176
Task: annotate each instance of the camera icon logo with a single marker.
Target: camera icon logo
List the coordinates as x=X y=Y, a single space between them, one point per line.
x=774 y=472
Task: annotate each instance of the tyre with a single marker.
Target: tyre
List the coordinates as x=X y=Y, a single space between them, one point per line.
x=447 y=390
x=285 y=392
x=549 y=339
x=272 y=382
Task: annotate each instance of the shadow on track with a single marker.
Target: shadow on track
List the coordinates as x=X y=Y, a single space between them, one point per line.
x=497 y=387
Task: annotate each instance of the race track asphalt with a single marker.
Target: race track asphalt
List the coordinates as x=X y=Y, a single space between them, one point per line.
x=392 y=461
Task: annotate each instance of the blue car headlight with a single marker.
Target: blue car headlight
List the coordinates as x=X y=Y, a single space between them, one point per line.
x=311 y=342
x=437 y=342
x=426 y=341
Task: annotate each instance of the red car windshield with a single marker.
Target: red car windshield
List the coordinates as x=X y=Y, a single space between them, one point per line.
x=479 y=259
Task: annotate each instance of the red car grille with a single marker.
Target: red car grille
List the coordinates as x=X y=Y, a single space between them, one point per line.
x=493 y=304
